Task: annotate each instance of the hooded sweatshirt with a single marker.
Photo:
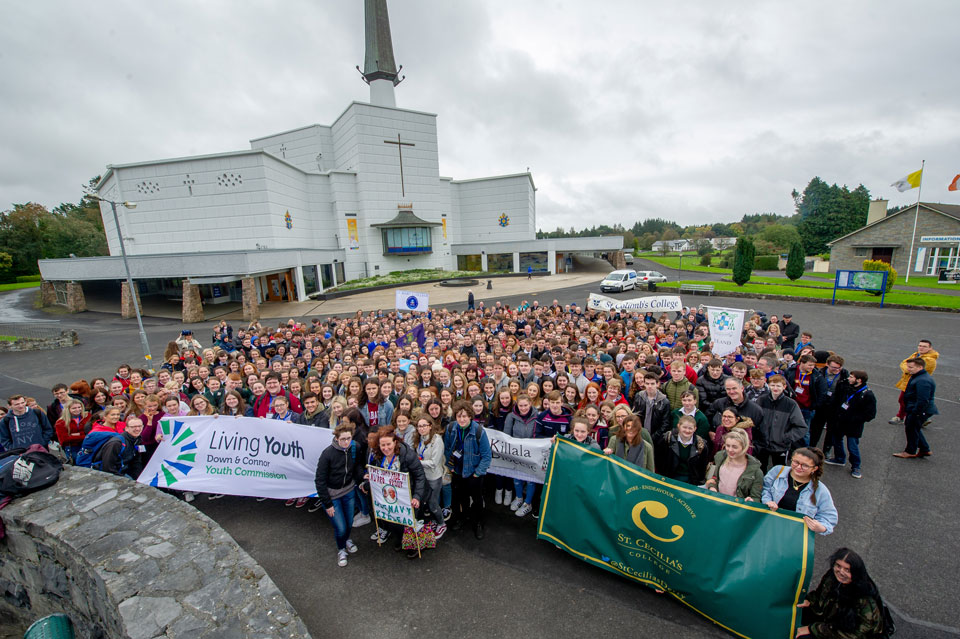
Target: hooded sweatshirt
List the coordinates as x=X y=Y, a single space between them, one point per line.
x=523 y=426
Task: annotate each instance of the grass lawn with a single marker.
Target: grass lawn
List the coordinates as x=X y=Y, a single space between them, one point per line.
x=895 y=297
x=16 y=285
x=827 y=279
x=7 y=338
x=691 y=263
x=411 y=277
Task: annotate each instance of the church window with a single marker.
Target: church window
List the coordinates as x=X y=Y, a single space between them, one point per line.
x=148 y=188
x=407 y=240
x=228 y=180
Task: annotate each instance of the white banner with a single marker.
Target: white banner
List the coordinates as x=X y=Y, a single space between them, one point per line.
x=245 y=456
x=412 y=301
x=390 y=490
x=656 y=303
x=523 y=459
x=726 y=329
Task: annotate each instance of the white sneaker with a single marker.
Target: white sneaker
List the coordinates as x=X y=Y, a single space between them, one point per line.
x=507 y=497
x=188 y=496
x=342 y=558
x=498 y=497
x=524 y=510
x=515 y=504
x=361 y=520
x=895 y=420
x=212 y=497
x=351 y=547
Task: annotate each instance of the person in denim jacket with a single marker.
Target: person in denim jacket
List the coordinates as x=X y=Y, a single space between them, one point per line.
x=797 y=487
x=467 y=453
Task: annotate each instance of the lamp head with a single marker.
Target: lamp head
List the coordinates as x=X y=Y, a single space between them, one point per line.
x=130 y=205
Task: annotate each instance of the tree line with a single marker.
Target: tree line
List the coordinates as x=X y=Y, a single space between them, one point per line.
x=30 y=232
x=823 y=212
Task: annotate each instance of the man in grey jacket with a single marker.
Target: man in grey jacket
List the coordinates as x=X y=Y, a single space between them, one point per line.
x=783 y=427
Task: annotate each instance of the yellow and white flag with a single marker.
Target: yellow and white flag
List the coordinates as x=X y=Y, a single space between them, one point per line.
x=912 y=181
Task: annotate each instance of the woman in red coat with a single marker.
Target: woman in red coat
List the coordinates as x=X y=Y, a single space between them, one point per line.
x=71 y=427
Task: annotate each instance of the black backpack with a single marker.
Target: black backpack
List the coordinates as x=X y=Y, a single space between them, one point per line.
x=889 y=626
x=23 y=471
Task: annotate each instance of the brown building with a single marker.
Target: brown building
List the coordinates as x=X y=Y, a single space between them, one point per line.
x=887 y=237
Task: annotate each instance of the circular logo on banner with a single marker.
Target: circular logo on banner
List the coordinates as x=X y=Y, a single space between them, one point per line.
x=412 y=302
x=390 y=494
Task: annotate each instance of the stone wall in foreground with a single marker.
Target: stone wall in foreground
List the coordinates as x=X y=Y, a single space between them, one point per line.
x=125 y=560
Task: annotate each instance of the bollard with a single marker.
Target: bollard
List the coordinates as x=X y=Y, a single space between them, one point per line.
x=489 y=285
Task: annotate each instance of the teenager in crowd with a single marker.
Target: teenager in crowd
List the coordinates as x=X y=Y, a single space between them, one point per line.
x=522 y=424
x=340 y=470
x=468 y=454
x=681 y=454
x=428 y=442
x=797 y=487
x=390 y=453
x=735 y=472
x=845 y=604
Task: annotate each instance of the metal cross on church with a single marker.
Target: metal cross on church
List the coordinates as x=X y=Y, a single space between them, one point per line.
x=400 y=146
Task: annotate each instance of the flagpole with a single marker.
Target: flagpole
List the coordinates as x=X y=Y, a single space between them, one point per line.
x=916 y=217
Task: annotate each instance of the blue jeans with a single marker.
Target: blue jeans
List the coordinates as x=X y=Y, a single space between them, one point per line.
x=524 y=490
x=363 y=501
x=807 y=417
x=853 y=445
x=446 y=495
x=342 y=519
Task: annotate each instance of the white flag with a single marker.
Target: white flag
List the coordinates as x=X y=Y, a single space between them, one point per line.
x=726 y=328
x=412 y=301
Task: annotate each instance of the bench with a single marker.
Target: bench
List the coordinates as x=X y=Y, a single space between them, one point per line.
x=697 y=288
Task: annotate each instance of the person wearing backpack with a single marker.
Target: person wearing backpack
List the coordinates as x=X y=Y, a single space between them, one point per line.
x=112 y=452
x=340 y=470
x=846 y=603
x=22 y=426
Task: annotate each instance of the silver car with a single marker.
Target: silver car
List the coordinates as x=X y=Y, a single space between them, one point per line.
x=651 y=276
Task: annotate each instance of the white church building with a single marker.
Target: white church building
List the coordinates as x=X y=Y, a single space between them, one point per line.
x=307 y=209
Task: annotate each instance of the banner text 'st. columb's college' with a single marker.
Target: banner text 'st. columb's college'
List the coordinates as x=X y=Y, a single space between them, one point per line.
x=740 y=565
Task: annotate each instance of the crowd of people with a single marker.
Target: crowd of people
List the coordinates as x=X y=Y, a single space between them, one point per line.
x=644 y=388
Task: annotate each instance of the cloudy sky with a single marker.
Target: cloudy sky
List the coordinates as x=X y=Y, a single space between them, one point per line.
x=696 y=111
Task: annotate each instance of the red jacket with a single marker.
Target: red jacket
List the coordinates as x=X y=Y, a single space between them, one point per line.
x=262 y=406
x=72 y=433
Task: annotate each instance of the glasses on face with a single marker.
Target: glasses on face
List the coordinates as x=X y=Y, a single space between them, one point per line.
x=344 y=438
x=801 y=465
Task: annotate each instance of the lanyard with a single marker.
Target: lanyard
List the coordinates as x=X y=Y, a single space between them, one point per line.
x=389 y=464
x=855 y=393
x=833 y=379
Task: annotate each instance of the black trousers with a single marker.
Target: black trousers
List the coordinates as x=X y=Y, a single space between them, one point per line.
x=464 y=489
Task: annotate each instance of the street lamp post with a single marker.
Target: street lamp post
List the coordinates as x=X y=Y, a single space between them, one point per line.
x=126 y=265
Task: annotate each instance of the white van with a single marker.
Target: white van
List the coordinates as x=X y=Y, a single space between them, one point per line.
x=619 y=281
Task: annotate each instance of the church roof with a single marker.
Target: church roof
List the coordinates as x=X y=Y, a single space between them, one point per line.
x=405 y=218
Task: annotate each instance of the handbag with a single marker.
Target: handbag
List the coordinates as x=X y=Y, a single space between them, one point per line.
x=427 y=537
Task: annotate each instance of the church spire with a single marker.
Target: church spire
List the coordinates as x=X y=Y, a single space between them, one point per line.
x=379 y=68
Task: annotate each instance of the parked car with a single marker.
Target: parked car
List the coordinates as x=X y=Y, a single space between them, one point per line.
x=651 y=276
x=620 y=281
x=628 y=257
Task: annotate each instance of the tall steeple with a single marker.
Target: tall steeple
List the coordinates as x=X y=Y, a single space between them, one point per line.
x=379 y=68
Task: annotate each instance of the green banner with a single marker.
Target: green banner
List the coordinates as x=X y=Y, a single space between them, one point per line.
x=742 y=566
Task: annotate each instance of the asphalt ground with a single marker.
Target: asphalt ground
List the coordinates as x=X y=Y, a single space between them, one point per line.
x=902 y=516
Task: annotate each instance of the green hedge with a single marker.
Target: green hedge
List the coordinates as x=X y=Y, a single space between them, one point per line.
x=28 y=278
x=766 y=262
